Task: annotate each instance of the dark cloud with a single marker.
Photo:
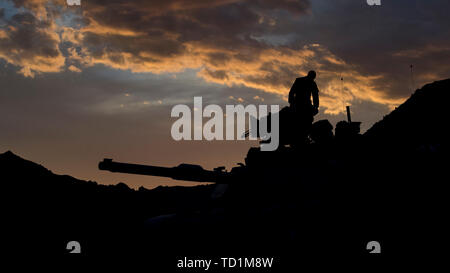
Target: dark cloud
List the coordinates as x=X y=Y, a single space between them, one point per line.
x=235 y=43
x=371 y=38
x=29 y=43
x=166 y=28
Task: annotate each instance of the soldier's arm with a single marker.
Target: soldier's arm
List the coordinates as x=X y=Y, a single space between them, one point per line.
x=292 y=93
x=315 y=94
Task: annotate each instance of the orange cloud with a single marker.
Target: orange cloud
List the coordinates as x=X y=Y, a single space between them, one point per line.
x=172 y=36
x=74 y=68
x=32 y=45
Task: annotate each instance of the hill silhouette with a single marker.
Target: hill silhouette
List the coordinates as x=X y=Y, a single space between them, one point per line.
x=387 y=185
x=41 y=203
x=420 y=120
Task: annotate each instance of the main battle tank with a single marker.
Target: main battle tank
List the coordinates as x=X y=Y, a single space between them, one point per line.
x=291 y=166
x=273 y=200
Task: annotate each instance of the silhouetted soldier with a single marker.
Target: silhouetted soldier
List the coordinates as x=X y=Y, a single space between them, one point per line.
x=301 y=106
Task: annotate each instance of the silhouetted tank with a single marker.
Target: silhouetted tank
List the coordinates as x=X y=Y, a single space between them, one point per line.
x=260 y=167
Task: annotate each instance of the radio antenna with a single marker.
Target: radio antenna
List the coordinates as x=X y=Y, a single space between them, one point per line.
x=342 y=92
x=412 y=78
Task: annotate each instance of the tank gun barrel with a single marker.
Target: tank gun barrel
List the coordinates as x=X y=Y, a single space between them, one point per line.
x=187 y=172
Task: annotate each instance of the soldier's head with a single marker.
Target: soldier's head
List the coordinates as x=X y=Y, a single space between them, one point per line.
x=312 y=74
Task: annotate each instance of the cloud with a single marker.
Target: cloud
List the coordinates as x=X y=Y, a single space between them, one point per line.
x=31 y=44
x=74 y=68
x=259 y=44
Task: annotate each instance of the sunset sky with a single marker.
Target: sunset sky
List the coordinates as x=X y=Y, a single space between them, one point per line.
x=78 y=84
